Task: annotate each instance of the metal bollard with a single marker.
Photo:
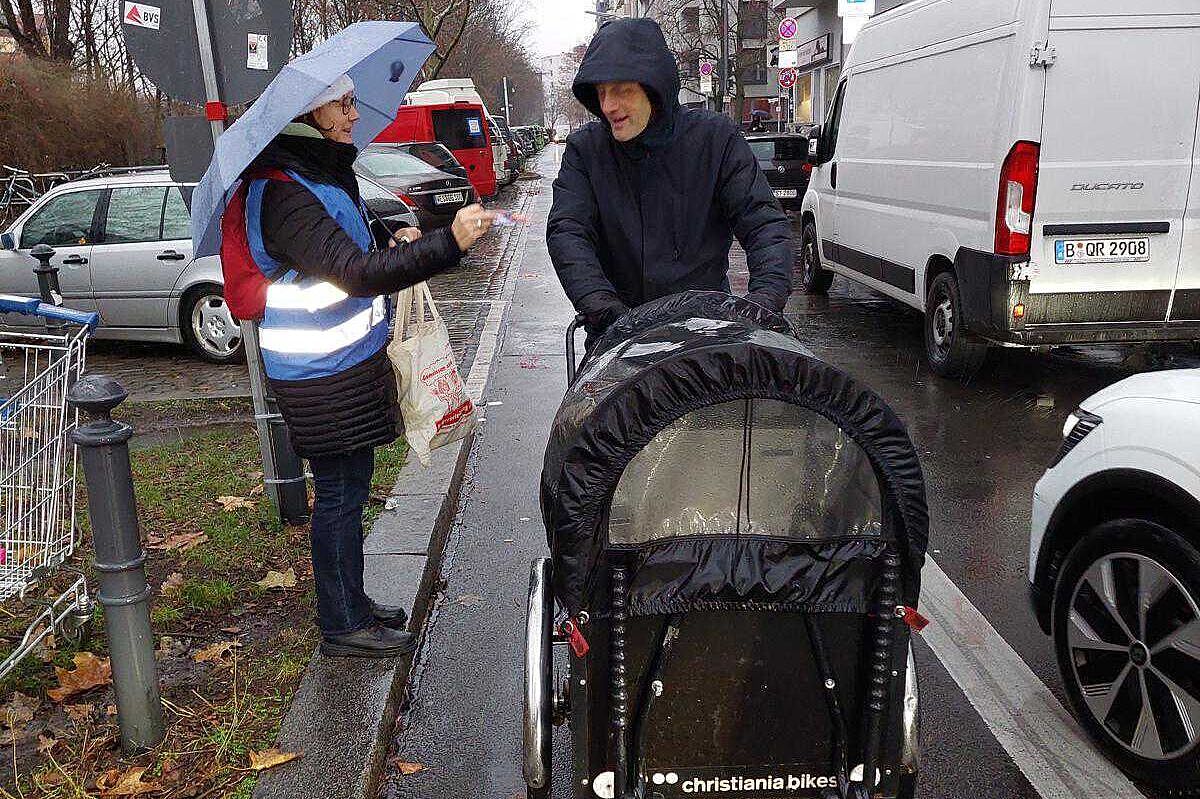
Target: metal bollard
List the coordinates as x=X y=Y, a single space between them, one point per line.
x=47 y=275
x=120 y=559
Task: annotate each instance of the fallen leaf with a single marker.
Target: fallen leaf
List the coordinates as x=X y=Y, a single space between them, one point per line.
x=128 y=783
x=19 y=709
x=80 y=714
x=170 y=771
x=231 y=630
x=171 y=585
x=51 y=779
x=234 y=503
x=46 y=743
x=180 y=541
x=255 y=475
x=89 y=672
x=276 y=579
x=257 y=491
x=408 y=768
x=270 y=758
x=470 y=600
x=215 y=652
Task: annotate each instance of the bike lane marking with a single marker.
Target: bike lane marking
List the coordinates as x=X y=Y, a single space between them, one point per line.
x=1038 y=733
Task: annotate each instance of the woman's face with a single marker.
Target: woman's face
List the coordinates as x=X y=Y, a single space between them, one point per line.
x=336 y=119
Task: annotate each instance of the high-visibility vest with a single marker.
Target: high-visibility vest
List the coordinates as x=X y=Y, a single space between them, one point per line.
x=311 y=328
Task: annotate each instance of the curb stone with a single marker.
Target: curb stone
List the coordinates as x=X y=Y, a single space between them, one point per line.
x=341 y=715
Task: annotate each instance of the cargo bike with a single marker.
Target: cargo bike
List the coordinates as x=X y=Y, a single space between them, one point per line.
x=736 y=531
x=40 y=359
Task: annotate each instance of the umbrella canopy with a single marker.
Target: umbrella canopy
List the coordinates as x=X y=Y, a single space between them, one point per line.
x=382 y=58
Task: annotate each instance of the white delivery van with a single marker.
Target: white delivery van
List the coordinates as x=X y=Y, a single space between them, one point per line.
x=1022 y=171
x=451 y=90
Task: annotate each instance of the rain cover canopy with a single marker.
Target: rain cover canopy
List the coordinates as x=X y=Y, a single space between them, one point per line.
x=703 y=441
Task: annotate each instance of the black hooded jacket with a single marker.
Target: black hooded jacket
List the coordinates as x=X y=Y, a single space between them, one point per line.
x=657 y=215
x=356 y=408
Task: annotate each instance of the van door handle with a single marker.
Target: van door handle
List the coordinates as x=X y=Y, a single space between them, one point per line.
x=171 y=255
x=833 y=175
x=74 y=260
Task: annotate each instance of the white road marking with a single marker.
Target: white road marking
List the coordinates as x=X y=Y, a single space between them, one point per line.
x=489 y=338
x=1042 y=738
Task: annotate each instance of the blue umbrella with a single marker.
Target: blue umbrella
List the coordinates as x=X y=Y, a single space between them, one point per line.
x=382 y=58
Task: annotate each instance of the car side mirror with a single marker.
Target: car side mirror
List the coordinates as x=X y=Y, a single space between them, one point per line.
x=814 y=146
x=7 y=241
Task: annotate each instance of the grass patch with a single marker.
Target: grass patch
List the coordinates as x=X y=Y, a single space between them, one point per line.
x=204 y=563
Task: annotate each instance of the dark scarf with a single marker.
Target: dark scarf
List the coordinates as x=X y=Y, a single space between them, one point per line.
x=320 y=160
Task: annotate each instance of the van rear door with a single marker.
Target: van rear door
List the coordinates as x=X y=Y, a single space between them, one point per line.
x=462 y=131
x=1118 y=133
x=1185 y=307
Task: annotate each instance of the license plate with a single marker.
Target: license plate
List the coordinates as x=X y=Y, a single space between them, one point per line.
x=785 y=194
x=444 y=199
x=1102 y=251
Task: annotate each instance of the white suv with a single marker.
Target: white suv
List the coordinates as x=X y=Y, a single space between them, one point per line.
x=1114 y=566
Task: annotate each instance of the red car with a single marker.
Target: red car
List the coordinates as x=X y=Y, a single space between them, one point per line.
x=459 y=126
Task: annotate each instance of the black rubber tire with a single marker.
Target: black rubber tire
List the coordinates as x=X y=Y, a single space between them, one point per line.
x=186 y=306
x=808 y=275
x=959 y=355
x=1179 y=776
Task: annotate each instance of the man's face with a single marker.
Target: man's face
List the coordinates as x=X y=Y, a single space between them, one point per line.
x=626 y=107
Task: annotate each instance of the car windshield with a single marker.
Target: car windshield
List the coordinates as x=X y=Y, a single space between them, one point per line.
x=433 y=154
x=764 y=149
x=392 y=164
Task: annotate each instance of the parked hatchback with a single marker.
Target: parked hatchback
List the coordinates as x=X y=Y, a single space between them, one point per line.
x=783 y=157
x=123 y=245
x=436 y=196
x=1114 y=564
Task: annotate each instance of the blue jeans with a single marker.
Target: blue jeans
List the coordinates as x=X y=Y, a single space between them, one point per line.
x=341 y=484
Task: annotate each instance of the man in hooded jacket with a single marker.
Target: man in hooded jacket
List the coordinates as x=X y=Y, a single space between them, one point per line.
x=649 y=196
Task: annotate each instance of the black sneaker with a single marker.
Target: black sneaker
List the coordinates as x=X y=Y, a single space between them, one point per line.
x=390 y=616
x=373 y=642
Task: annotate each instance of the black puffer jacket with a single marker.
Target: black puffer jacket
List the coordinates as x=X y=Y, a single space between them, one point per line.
x=657 y=215
x=355 y=408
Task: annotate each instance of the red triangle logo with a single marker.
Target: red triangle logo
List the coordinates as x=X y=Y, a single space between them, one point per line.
x=133 y=15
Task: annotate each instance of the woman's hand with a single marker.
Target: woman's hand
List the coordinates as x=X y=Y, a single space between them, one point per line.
x=406 y=235
x=470 y=224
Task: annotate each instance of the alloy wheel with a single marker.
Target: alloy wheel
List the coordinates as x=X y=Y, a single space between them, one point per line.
x=1133 y=632
x=214 y=326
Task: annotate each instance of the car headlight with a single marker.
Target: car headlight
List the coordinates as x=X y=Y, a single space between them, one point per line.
x=1076 y=429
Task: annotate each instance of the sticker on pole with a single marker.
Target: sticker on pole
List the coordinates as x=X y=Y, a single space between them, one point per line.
x=142 y=16
x=788 y=28
x=256 y=51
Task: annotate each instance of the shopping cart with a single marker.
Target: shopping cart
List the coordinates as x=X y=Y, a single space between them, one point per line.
x=38 y=364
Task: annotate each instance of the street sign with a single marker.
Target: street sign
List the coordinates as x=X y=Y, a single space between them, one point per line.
x=856 y=8
x=251 y=41
x=813 y=52
x=706 y=68
x=787 y=58
x=189 y=148
x=787 y=78
x=706 y=84
x=788 y=28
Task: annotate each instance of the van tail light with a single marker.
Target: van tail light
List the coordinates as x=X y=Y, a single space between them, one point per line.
x=1018 y=193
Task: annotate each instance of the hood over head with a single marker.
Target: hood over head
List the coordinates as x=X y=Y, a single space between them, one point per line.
x=632 y=50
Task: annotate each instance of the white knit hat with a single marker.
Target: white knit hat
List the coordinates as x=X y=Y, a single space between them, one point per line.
x=340 y=88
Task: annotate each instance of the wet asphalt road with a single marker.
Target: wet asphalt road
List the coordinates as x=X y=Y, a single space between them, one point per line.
x=983 y=445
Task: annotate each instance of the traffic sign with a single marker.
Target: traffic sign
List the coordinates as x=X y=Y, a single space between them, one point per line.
x=787 y=78
x=706 y=84
x=788 y=28
x=250 y=43
x=856 y=8
x=706 y=68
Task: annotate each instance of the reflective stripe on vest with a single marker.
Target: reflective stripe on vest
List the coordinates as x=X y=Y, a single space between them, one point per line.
x=311 y=328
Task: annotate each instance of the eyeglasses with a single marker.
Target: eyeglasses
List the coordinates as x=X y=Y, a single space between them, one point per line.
x=347 y=103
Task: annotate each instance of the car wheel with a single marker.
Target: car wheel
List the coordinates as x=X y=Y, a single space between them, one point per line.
x=810 y=277
x=208 y=327
x=1127 y=635
x=951 y=350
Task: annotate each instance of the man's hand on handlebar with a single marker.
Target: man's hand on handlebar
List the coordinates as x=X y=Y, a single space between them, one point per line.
x=600 y=309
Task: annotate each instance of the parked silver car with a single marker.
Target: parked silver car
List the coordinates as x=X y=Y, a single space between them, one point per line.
x=124 y=249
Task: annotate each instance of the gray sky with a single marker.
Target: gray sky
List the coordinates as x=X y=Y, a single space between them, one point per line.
x=559 y=25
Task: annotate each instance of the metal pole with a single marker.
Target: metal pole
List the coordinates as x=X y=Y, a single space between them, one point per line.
x=724 y=56
x=120 y=559
x=283 y=474
x=47 y=278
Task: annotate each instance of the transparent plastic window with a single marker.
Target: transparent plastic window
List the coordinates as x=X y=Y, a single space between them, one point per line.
x=749 y=467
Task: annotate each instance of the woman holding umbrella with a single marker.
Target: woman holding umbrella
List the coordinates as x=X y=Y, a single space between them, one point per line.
x=323 y=337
